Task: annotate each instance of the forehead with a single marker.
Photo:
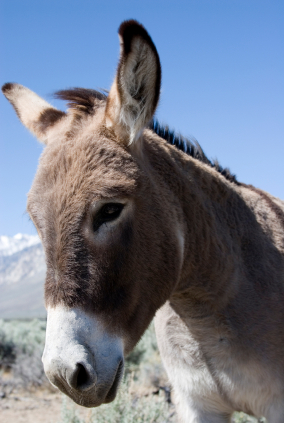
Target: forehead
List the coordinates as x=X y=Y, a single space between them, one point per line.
x=84 y=164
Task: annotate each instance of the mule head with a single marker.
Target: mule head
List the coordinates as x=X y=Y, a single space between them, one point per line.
x=107 y=228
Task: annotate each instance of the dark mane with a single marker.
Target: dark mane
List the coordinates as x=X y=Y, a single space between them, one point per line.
x=86 y=101
x=192 y=148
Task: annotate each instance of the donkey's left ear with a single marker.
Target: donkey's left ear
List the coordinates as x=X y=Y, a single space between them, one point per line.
x=135 y=92
x=34 y=112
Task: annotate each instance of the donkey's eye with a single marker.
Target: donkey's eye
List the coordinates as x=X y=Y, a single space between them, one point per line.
x=111 y=211
x=107 y=213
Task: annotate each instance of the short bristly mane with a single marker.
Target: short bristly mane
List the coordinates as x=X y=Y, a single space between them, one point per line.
x=86 y=101
x=192 y=148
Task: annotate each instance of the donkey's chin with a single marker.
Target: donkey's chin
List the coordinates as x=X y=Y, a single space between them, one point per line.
x=94 y=398
x=113 y=390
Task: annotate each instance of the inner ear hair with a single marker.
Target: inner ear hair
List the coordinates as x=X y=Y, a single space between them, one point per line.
x=136 y=40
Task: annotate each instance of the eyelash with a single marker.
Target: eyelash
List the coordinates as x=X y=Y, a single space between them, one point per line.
x=107 y=213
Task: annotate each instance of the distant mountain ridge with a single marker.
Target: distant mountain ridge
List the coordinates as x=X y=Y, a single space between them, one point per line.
x=22 y=275
x=10 y=245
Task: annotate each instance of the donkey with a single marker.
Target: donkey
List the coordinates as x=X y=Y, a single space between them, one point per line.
x=137 y=222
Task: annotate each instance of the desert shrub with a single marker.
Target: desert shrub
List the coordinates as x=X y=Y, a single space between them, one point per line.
x=21 y=347
x=7 y=351
x=68 y=413
x=244 y=418
x=28 y=369
x=25 y=335
x=145 y=365
x=127 y=408
x=145 y=349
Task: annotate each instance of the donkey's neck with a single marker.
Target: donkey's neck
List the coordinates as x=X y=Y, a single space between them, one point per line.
x=210 y=269
x=208 y=205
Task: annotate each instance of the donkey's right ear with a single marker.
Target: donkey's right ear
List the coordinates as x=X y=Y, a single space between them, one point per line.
x=135 y=92
x=34 y=112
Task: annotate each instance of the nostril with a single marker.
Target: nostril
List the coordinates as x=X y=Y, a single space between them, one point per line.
x=80 y=379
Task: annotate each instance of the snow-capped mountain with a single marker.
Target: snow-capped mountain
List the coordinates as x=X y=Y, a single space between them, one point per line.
x=10 y=245
x=22 y=274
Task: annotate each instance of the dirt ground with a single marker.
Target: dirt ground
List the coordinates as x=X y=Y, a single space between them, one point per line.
x=37 y=406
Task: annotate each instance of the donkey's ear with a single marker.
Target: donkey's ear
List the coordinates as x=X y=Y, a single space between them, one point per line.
x=34 y=112
x=134 y=94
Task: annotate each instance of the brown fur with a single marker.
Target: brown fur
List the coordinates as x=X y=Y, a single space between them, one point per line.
x=206 y=250
x=270 y=202
x=49 y=117
x=81 y=100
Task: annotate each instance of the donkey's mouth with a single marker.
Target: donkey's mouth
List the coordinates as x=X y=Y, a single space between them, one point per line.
x=113 y=390
x=92 y=397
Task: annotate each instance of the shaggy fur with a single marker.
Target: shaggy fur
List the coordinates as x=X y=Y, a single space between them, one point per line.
x=203 y=252
x=82 y=101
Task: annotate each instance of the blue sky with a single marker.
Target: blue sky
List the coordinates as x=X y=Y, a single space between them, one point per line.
x=223 y=79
